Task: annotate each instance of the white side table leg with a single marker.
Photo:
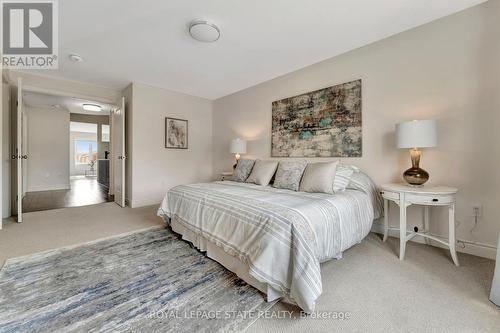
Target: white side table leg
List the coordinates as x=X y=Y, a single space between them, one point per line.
x=426 y=222
x=402 y=226
x=386 y=219
x=451 y=230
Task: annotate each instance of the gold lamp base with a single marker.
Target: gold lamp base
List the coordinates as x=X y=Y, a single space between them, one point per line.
x=237 y=157
x=415 y=176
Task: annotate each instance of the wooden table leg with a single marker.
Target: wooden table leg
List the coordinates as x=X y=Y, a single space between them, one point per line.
x=386 y=219
x=452 y=236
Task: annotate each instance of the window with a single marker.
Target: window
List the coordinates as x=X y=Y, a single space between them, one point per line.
x=105 y=133
x=85 y=151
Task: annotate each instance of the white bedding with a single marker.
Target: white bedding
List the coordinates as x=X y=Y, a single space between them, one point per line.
x=281 y=235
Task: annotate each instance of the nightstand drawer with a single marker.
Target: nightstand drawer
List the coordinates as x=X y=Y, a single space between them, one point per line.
x=390 y=195
x=436 y=200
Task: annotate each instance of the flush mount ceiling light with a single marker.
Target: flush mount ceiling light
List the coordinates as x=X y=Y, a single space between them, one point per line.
x=92 y=107
x=204 y=31
x=75 y=58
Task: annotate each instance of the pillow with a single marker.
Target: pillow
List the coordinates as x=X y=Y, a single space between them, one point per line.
x=262 y=172
x=243 y=169
x=318 y=177
x=343 y=175
x=289 y=174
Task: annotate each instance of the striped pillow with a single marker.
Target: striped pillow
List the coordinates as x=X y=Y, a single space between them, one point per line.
x=343 y=176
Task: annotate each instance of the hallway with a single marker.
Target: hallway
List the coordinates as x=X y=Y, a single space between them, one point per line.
x=83 y=191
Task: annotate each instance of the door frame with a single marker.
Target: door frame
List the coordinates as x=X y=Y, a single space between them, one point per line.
x=34 y=88
x=118 y=156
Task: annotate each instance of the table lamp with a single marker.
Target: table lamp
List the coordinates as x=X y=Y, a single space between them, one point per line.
x=416 y=134
x=237 y=147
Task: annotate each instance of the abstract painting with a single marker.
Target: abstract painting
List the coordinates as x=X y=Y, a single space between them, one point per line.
x=322 y=123
x=176 y=133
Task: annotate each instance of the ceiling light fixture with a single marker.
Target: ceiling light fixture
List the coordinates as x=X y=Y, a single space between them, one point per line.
x=92 y=107
x=204 y=31
x=75 y=57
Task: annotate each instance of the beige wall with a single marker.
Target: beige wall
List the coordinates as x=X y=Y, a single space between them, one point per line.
x=48 y=149
x=447 y=70
x=155 y=169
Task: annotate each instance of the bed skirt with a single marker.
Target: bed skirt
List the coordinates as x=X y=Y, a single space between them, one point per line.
x=230 y=262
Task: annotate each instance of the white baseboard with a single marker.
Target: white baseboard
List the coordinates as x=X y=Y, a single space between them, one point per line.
x=144 y=202
x=464 y=246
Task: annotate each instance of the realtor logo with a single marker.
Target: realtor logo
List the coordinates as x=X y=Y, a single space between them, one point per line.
x=29 y=36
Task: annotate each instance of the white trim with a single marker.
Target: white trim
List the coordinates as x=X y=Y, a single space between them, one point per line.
x=463 y=246
x=144 y=202
x=51 y=85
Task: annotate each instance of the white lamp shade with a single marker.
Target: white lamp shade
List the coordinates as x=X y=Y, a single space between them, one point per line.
x=417 y=134
x=238 y=146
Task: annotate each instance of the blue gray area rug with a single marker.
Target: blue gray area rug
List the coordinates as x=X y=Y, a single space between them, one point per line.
x=149 y=281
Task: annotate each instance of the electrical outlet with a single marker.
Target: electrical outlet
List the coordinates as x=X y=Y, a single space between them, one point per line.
x=477 y=210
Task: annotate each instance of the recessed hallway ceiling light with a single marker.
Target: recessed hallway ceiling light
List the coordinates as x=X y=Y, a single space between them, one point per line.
x=92 y=107
x=204 y=31
x=75 y=58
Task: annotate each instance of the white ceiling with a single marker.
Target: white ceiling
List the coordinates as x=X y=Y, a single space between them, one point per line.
x=71 y=104
x=147 y=41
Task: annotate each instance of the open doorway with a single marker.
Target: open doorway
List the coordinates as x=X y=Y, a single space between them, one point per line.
x=67 y=144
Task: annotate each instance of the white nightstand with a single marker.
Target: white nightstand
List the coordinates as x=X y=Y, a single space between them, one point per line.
x=404 y=196
x=226 y=175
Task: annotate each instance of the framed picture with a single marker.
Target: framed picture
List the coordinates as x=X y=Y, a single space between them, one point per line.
x=321 y=123
x=176 y=133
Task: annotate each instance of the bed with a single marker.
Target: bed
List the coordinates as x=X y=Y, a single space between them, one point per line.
x=274 y=239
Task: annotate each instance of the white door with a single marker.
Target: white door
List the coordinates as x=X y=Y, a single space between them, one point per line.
x=19 y=151
x=118 y=153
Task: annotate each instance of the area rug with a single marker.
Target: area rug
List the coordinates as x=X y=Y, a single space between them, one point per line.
x=149 y=281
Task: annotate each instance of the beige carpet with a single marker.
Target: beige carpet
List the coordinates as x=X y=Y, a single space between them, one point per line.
x=426 y=292
x=52 y=229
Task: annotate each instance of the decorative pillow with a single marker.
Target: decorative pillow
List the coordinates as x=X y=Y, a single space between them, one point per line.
x=262 y=172
x=318 y=177
x=343 y=175
x=289 y=174
x=243 y=170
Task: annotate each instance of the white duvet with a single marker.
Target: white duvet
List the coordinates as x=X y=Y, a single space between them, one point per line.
x=281 y=235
